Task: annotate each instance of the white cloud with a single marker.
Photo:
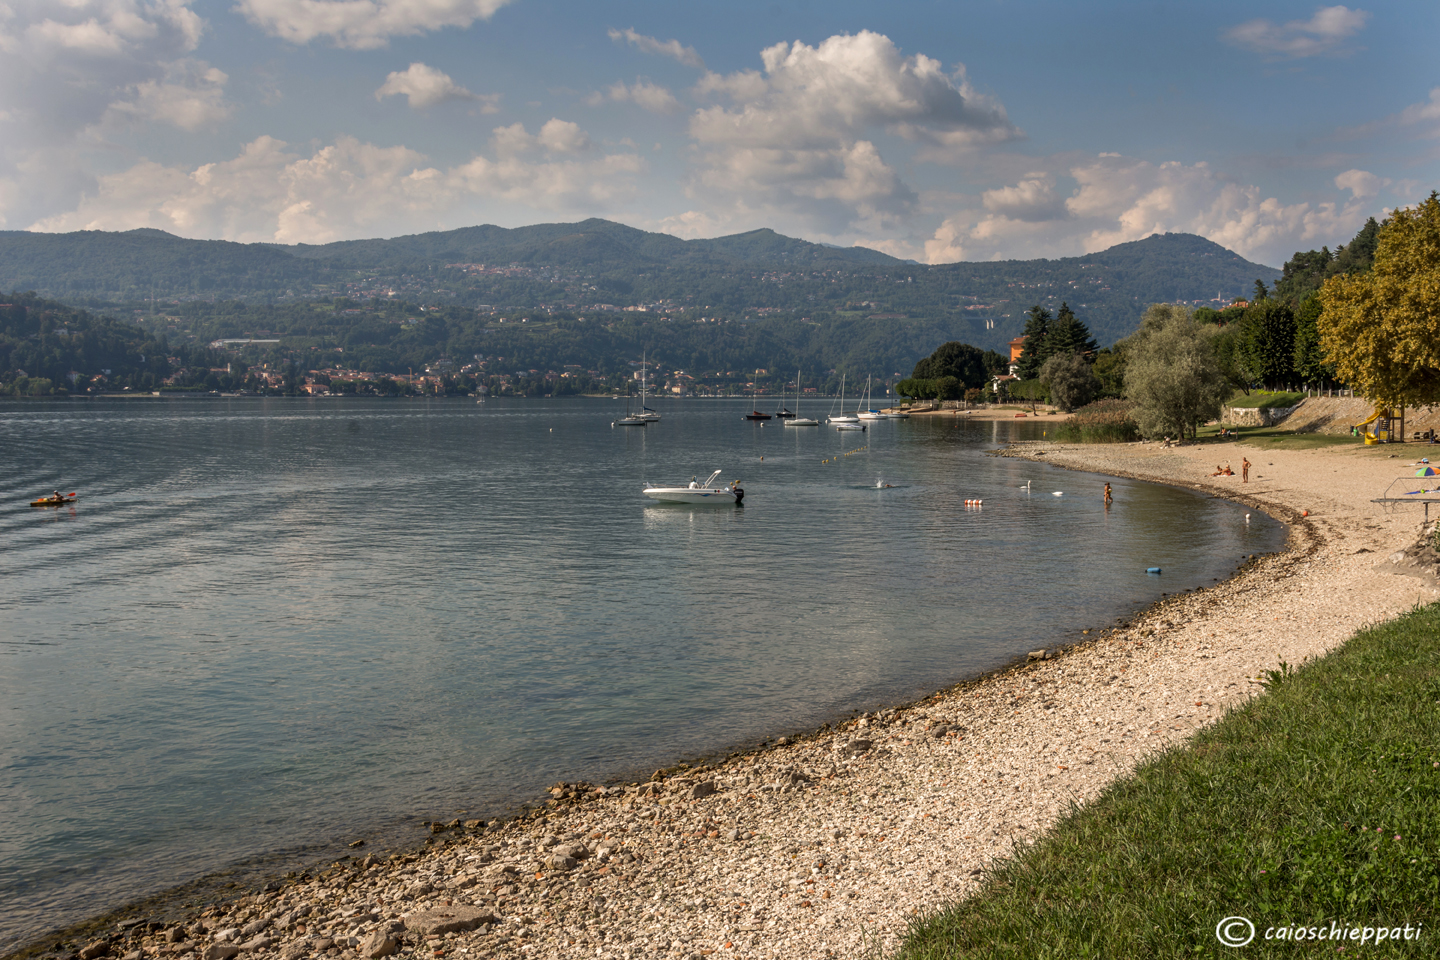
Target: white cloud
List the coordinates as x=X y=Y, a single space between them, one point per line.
x=427 y=87
x=362 y=24
x=105 y=28
x=556 y=136
x=1423 y=112
x=1119 y=199
x=799 y=137
x=191 y=96
x=665 y=48
x=1032 y=199
x=66 y=63
x=352 y=189
x=1361 y=184
x=643 y=93
x=828 y=94
x=74 y=73
x=1325 y=32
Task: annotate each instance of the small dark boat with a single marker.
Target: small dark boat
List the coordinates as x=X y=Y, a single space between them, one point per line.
x=757 y=415
x=783 y=414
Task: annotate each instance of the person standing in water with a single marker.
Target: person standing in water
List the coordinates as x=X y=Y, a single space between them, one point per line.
x=1108 y=498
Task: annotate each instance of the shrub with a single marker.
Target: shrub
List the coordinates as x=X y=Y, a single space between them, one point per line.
x=1104 y=421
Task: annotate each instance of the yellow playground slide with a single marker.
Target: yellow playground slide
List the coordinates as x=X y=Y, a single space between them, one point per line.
x=1381 y=433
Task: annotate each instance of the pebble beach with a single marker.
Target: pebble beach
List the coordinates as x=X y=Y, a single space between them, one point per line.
x=829 y=843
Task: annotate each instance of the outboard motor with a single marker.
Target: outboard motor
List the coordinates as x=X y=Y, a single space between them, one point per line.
x=739 y=496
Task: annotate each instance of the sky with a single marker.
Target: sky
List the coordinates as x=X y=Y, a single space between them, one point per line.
x=936 y=131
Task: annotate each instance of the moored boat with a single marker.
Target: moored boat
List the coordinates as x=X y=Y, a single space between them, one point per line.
x=842 y=416
x=795 y=419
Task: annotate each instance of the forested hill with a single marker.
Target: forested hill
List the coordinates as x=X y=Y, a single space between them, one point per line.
x=48 y=347
x=593 y=244
x=596 y=266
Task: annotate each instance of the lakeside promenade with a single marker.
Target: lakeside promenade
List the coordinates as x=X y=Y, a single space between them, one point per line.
x=828 y=845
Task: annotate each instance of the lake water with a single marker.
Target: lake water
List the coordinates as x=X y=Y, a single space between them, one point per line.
x=269 y=627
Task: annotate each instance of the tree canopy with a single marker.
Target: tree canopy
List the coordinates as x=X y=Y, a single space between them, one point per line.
x=1307 y=270
x=1381 y=329
x=970 y=365
x=1171 y=373
x=1071 y=381
x=1032 y=354
x=1066 y=335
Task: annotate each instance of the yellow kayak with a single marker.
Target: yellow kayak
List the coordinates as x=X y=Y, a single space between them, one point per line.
x=52 y=502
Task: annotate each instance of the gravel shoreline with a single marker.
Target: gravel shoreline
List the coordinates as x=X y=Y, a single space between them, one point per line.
x=826 y=846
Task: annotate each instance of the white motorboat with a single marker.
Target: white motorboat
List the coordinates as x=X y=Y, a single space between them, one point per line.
x=842 y=417
x=795 y=419
x=847 y=425
x=697 y=492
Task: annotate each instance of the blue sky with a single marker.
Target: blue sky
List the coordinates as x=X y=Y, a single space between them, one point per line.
x=938 y=131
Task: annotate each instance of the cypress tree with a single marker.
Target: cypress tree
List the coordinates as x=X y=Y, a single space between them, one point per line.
x=1037 y=326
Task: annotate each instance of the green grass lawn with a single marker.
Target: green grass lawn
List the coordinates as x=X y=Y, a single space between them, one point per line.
x=1315 y=803
x=1261 y=399
x=1278 y=438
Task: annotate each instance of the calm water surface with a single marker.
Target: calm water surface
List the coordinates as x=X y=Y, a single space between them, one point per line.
x=270 y=627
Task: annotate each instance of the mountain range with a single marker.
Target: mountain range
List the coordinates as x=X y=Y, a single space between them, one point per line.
x=596 y=265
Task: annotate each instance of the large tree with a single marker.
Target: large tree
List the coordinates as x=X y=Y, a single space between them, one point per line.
x=955 y=359
x=1268 y=339
x=1071 y=381
x=1310 y=365
x=1171 y=373
x=1066 y=335
x=1381 y=329
x=1035 y=351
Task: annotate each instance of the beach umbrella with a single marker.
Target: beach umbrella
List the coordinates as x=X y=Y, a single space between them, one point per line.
x=1427 y=472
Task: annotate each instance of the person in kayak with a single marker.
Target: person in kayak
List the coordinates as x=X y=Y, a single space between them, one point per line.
x=56 y=496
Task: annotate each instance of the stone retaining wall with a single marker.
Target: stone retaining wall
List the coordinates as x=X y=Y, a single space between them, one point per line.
x=1256 y=416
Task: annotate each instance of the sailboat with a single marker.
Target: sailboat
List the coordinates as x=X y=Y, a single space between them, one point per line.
x=784 y=412
x=630 y=419
x=646 y=414
x=755 y=413
x=867 y=412
x=843 y=416
x=795 y=419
